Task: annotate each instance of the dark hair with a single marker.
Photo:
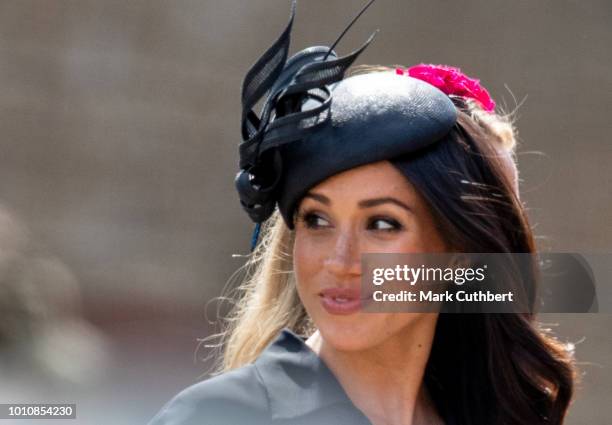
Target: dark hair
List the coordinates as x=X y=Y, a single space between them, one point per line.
x=485 y=368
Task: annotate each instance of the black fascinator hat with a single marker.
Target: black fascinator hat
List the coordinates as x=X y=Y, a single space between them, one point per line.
x=315 y=123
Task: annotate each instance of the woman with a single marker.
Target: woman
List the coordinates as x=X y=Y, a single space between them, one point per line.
x=386 y=160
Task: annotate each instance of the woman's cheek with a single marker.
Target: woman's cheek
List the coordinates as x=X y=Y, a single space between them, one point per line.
x=306 y=261
x=310 y=248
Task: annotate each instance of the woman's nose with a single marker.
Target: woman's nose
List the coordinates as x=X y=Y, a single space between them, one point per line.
x=344 y=258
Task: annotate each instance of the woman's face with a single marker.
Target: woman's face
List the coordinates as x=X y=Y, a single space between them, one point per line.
x=372 y=208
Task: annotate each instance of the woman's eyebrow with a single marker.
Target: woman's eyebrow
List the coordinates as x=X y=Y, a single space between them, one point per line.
x=318 y=197
x=366 y=203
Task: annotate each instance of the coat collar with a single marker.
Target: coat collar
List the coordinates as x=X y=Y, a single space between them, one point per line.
x=296 y=379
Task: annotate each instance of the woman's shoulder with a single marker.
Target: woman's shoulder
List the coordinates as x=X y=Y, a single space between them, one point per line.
x=237 y=396
x=287 y=383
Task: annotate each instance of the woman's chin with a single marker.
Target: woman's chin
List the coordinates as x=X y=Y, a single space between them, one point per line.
x=363 y=331
x=355 y=334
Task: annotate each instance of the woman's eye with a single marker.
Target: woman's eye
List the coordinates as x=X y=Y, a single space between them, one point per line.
x=314 y=221
x=385 y=224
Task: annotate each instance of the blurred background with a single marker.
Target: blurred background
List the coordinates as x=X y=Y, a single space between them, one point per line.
x=120 y=123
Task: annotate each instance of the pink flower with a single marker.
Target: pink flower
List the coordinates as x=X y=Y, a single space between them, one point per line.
x=451 y=81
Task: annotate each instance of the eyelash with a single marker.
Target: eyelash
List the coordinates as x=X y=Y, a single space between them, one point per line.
x=310 y=218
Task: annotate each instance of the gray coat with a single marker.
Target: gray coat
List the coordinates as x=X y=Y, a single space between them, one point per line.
x=287 y=384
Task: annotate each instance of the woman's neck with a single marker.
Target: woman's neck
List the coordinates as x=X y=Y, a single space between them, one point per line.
x=386 y=382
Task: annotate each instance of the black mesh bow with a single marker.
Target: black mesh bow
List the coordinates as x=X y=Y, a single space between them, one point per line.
x=297 y=103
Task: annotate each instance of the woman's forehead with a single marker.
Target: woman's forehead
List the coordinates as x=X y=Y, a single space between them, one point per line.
x=376 y=179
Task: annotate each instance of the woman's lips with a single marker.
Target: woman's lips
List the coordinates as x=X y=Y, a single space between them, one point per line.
x=341 y=300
